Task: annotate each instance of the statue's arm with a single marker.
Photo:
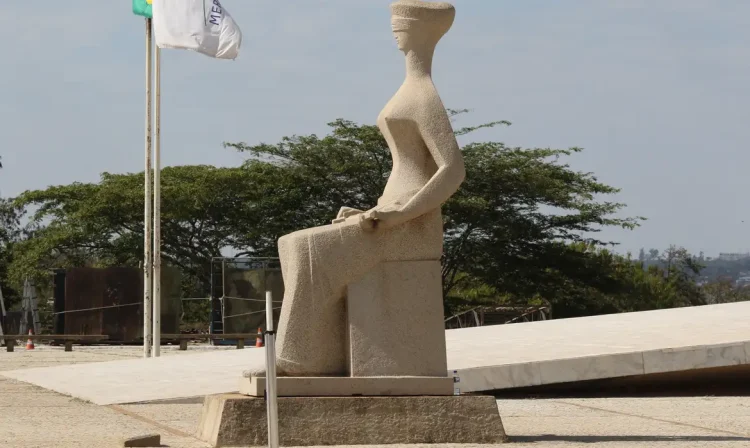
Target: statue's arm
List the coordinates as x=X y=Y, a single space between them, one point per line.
x=437 y=134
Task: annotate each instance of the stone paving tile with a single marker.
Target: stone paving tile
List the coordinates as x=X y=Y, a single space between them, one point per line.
x=33 y=417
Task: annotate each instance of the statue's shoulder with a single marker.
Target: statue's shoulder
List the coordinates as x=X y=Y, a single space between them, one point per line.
x=430 y=104
x=418 y=102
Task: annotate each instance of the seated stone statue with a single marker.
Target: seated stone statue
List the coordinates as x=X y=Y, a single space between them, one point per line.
x=406 y=225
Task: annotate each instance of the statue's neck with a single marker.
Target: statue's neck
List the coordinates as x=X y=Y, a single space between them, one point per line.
x=419 y=64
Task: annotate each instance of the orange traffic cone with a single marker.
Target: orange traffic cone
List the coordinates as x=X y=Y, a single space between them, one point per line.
x=29 y=342
x=259 y=338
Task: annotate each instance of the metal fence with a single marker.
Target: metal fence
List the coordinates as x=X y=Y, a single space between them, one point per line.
x=238 y=288
x=498 y=315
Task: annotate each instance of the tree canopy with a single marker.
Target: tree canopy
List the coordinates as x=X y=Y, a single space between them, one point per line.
x=102 y=224
x=521 y=229
x=510 y=226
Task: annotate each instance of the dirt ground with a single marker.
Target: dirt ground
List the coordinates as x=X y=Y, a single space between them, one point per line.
x=34 y=417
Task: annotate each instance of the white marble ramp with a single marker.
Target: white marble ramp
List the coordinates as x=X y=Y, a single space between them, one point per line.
x=598 y=347
x=487 y=358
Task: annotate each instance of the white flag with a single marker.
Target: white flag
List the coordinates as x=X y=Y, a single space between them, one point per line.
x=199 y=25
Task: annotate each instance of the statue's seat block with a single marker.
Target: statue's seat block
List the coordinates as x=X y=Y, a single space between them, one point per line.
x=395 y=319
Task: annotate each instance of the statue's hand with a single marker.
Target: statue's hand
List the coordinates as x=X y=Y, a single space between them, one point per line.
x=345 y=212
x=382 y=217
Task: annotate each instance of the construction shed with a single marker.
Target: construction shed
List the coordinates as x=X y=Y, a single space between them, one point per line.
x=109 y=301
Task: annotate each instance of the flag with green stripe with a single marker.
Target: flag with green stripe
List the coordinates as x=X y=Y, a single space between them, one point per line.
x=142 y=8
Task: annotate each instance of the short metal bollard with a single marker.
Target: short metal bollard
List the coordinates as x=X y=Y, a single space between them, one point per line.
x=272 y=403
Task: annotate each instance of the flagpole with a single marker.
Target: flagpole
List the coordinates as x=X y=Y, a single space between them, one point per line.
x=157 y=205
x=147 y=206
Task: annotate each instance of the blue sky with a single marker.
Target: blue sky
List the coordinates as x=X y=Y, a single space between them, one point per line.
x=656 y=92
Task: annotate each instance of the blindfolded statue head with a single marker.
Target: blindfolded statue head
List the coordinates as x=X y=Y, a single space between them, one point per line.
x=419 y=25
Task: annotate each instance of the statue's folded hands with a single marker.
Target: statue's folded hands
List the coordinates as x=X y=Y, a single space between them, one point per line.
x=345 y=212
x=383 y=217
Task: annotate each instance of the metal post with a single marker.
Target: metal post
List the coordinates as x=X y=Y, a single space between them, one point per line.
x=2 y=316
x=25 y=308
x=272 y=404
x=223 y=294
x=34 y=305
x=147 y=206
x=157 y=205
x=2 y=304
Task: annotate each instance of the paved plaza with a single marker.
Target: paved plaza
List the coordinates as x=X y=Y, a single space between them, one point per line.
x=486 y=358
x=34 y=417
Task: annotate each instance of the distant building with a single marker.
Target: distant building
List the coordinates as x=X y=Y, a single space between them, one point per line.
x=729 y=256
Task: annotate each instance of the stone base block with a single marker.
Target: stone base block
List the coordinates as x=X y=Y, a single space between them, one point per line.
x=396 y=322
x=230 y=420
x=347 y=387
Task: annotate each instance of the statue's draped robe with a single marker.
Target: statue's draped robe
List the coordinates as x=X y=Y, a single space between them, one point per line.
x=317 y=265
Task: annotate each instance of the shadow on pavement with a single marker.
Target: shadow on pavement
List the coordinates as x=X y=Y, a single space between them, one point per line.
x=633 y=438
x=719 y=382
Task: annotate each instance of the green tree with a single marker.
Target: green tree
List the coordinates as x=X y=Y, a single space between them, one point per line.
x=520 y=230
x=725 y=292
x=508 y=228
x=682 y=269
x=102 y=224
x=627 y=285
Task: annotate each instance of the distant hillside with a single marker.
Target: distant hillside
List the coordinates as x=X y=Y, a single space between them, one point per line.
x=733 y=267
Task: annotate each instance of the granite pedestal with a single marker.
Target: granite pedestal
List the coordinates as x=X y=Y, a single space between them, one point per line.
x=348 y=387
x=236 y=420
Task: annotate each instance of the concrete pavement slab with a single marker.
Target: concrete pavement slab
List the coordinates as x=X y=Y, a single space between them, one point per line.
x=486 y=358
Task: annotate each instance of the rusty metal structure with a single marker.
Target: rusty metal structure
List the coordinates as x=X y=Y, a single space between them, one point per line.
x=497 y=315
x=109 y=301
